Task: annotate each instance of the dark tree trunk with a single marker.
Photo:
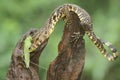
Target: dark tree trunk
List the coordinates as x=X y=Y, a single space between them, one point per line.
x=17 y=69
x=69 y=63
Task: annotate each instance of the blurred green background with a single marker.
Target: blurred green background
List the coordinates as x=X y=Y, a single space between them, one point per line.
x=18 y=16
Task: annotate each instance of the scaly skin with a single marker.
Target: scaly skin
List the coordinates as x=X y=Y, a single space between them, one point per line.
x=62 y=12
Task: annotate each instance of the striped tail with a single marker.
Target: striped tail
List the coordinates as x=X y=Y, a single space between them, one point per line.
x=100 y=45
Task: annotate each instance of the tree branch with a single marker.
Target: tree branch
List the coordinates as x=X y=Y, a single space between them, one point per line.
x=17 y=69
x=69 y=63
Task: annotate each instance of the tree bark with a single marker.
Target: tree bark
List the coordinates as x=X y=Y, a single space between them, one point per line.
x=17 y=69
x=69 y=63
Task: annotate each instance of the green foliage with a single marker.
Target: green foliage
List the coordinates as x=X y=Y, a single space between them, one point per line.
x=18 y=16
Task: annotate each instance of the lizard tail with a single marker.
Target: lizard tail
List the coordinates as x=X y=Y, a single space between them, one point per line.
x=100 y=45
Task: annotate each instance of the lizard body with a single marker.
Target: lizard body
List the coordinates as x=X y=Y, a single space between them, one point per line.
x=85 y=21
x=27 y=44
